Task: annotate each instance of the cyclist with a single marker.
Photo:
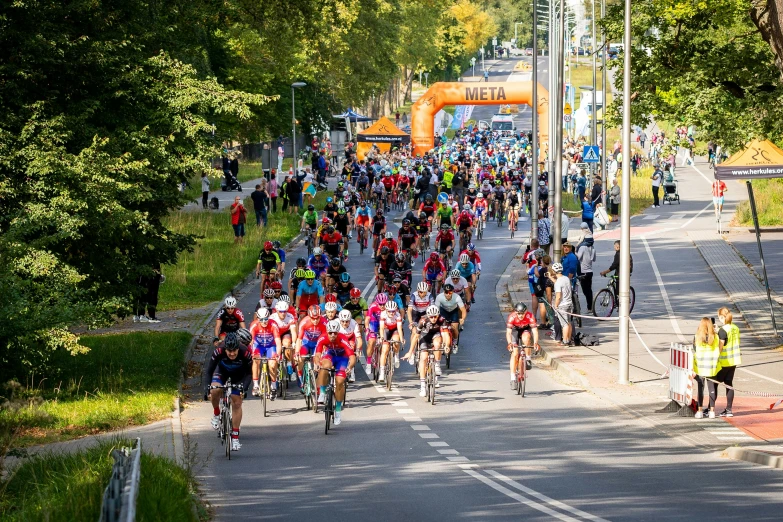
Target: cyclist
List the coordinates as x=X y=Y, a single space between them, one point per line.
x=400 y=290
x=357 y=305
x=408 y=240
x=468 y=271
x=513 y=205
x=418 y=303
x=445 y=212
x=390 y=243
x=318 y=263
x=267 y=344
x=390 y=330
x=330 y=209
x=428 y=208
x=229 y=361
x=335 y=353
x=349 y=330
x=423 y=230
x=460 y=284
x=481 y=207
x=331 y=241
x=309 y=292
x=465 y=224
x=616 y=262
x=444 y=242
x=362 y=221
x=294 y=278
x=429 y=332
x=333 y=273
x=310 y=329
x=383 y=263
x=229 y=319
x=401 y=268
x=433 y=270
x=452 y=308
x=471 y=195
x=343 y=288
x=310 y=219
x=372 y=325
x=499 y=195
x=474 y=257
x=378 y=229
x=718 y=190
x=268 y=301
x=520 y=325
x=286 y=328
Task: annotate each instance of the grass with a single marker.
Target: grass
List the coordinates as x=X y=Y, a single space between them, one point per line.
x=124 y=380
x=216 y=265
x=769 y=202
x=69 y=488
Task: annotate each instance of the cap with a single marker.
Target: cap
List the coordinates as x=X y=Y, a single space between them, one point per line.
x=584 y=226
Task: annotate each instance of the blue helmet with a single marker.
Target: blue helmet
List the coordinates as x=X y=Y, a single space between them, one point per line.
x=329 y=200
x=345 y=277
x=443 y=198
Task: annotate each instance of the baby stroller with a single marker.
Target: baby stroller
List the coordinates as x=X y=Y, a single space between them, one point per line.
x=229 y=182
x=670 y=192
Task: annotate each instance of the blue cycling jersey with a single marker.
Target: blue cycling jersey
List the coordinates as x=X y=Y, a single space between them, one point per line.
x=466 y=270
x=305 y=289
x=318 y=264
x=363 y=211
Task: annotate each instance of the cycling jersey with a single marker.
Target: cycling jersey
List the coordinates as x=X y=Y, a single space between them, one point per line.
x=718 y=187
x=428 y=209
x=284 y=323
x=466 y=270
x=338 y=352
x=465 y=219
x=445 y=238
x=418 y=303
x=330 y=209
x=311 y=218
x=221 y=368
x=268 y=260
x=265 y=339
x=230 y=321
x=331 y=244
x=428 y=330
x=383 y=264
x=521 y=323
x=471 y=196
x=351 y=332
x=460 y=285
x=391 y=320
x=318 y=264
x=374 y=315
x=445 y=212
x=358 y=309
x=378 y=224
x=402 y=271
x=391 y=244
x=335 y=273
x=341 y=223
x=433 y=269
x=388 y=182
x=480 y=206
x=475 y=258
x=449 y=305
x=310 y=333
x=309 y=294
x=343 y=292
x=263 y=303
x=407 y=237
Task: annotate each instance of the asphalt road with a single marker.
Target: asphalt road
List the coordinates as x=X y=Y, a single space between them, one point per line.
x=482 y=452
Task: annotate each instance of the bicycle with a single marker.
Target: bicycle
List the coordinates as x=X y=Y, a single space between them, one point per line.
x=309 y=387
x=606 y=300
x=309 y=240
x=479 y=228
x=424 y=245
x=454 y=344
x=282 y=377
x=376 y=359
x=463 y=239
x=329 y=405
x=430 y=379
x=362 y=239
x=226 y=415
x=264 y=384
x=390 y=363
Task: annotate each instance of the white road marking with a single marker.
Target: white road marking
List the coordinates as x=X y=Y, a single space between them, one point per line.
x=770 y=379
x=736 y=437
x=709 y=205
x=458 y=459
x=664 y=294
x=400 y=403
x=405 y=411
x=678 y=215
x=542 y=497
x=438 y=444
x=428 y=436
x=448 y=452
x=414 y=419
x=420 y=427
x=651 y=216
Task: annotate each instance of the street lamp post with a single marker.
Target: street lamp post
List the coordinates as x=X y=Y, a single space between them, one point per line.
x=534 y=191
x=482 y=60
x=625 y=207
x=604 y=156
x=427 y=80
x=295 y=85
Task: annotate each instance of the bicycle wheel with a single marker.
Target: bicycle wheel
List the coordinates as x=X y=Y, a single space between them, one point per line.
x=432 y=377
x=313 y=390
x=361 y=243
x=264 y=392
x=603 y=304
x=328 y=408
x=389 y=368
x=306 y=385
x=522 y=373
x=633 y=300
x=448 y=357
x=227 y=430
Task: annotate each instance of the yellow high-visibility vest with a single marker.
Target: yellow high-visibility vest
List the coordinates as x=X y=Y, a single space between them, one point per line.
x=731 y=355
x=447 y=177
x=706 y=358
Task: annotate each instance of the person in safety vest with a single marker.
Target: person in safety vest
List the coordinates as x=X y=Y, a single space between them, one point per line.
x=706 y=364
x=730 y=356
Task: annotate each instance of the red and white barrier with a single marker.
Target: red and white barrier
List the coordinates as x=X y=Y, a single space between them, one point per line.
x=681 y=373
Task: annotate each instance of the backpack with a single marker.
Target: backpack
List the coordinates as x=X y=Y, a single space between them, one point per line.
x=214 y=204
x=581 y=339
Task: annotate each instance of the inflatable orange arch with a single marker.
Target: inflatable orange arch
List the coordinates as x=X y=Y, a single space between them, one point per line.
x=472 y=93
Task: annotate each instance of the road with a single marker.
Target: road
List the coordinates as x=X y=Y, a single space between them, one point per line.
x=482 y=452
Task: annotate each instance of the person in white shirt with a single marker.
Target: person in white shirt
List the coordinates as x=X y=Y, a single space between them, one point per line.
x=563 y=305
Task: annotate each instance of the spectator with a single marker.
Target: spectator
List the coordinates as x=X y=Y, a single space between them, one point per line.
x=404 y=118
x=321 y=168
x=238 y=218
x=273 y=189
x=280 y=153
x=595 y=194
x=642 y=139
x=656 y=178
x=397 y=118
x=705 y=364
x=730 y=356
x=284 y=193
x=581 y=184
x=544 y=231
x=294 y=188
x=563 y=305
x=260 y=199
x=147 y=299
x=587 y=212
x=614 y=200
x=234 y=166
x=570 y=263
x=564 y=223
x=543 y=288
x=204 y=190
x=585 y=252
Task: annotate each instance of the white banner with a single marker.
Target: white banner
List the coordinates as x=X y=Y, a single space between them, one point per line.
x=468 y=112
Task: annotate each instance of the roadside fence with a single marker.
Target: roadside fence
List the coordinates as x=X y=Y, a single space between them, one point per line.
x=119 y=498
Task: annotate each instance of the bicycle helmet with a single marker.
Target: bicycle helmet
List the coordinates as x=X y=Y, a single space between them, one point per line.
x=329 y=199
x=300 y=273
x=480 y=195
x=262 y=314
x=301 y=262
x=244 y=336
x=330 y=307
x=330 y=298
x=381 y=299
x=345 y=277
x=268 y=245
x=335 y=261
x=445 y=226
x=310 y=208
x=557 y=267
x=389 y=235
x=309 y=274
x=284 y=299
x=326 y=220
x=269 y=293
x=464 y=258
x=317 y=251
x=333 y=327
x=466 y=207
x=281 y=306
x=276 y=285
x=384 y=251
x=433 y=311
x=471 y=247
x=340 y=204
x=520 y=308
x=423 y=287
x=230 y=302
x=314 y=311
x=344 y=315
x=330 y=229
x=406 y=222
x=455 y=273
x=448 y=287
x=230 y=342
x=428 y=198
x=390 y=306
x=341 y=211
x=276 y=244
x=400 y=257
x=434 y=256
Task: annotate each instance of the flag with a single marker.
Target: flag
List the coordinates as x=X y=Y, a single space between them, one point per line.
x=308 y=188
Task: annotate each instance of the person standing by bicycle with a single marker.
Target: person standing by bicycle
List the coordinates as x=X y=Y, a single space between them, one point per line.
x=585 y=252
x=520 y=326
x=334 y=353
x=232 y=361
x=615 y=266
x=428 y=333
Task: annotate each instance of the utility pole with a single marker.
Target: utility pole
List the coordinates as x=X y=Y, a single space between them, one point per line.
x=553 y=47
x=625 y=207
x=534 y=190
x=604 y=148
x=557 y=186
x=593 y=113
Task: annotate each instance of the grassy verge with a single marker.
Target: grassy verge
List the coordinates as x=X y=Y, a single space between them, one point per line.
x=69 y=488
x=127 y=379
x=769 y=202
x=216 y=264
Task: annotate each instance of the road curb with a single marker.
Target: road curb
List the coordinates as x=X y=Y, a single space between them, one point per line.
x=769 y=459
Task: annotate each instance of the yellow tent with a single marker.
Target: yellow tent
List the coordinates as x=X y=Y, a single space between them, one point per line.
x=759 y=159
x=383 y=134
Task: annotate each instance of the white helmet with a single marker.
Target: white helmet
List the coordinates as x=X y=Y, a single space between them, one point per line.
x=230 y=302
x=464 y=258
x=333 y=327
x=390 y=306
x=344 y=315
x=433 y=311
x=423 y=287
x=341 y=204
x=455 y=273
x=389 y=235
x=281 y=306
x=317 y=251
x=557 y=267
x=466 y=207
x=262 y=313
x=284 y=298
x=480 y=195
x=330 y=307
x=269 y=293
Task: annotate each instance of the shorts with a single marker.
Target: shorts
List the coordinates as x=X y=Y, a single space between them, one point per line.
x=387 y=334
x=362 y=220
x=416 y=315
x=433 y=276
x=463 y=226
x=307 y=300
x=717 y=200
x=268 y=271
x=239 y=230
x=313 y=226
x=450 y=316
x=563 y=315
x=445 y=245
x=531 y=288
x=218 y=380
x=426 y=342
x=517 y=333
x=308 y=348
x=340 y=364
x=268 y=352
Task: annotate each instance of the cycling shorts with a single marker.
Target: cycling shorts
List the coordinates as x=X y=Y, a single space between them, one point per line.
x=450 y=317
x=445 y=245
x=416 y=316
x=340 y=364
x=432 y=276
x=362 y=221
x=219 y=380
x=307 y=300
x=717 y=200
x=268 y=271
x=518 y=333
x=387 y=334
x=464 y=226
x=308 y=347
x=269 y=352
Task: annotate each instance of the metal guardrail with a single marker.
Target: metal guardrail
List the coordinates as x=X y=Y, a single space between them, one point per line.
x=119 y=498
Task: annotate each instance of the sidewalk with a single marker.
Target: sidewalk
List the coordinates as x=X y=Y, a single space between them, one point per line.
x=227 y=198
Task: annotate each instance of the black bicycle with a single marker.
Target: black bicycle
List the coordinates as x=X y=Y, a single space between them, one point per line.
x=329 y=402
x=430 y=379
x=226 y=415
x=606 y=300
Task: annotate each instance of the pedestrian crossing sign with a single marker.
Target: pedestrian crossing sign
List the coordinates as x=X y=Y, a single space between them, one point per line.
x=590 y=154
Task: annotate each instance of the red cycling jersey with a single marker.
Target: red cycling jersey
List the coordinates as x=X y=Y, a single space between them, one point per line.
x=527 y=320
x=474 y=256
x=447 y=236
x=390 y=243
x=434 y=267
x=332 y=239
x=338 y=347
x=718 y=187
x=465 y=218
x=309 y=333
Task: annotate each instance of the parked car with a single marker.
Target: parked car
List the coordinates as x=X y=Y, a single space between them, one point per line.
x=515 y=51
x=529 y=51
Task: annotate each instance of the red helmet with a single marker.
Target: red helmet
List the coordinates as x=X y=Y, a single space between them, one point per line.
x=314 y=311
x=356 y=293
x=276 y=285
x=268 y=245
x=330 y=298
x=326 y=220
x=434 y=256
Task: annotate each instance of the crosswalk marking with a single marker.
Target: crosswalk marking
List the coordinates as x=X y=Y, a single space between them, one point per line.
x=652 y=216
